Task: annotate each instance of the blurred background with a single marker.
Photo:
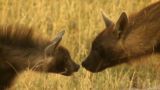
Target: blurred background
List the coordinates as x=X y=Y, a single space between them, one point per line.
x=82 y=21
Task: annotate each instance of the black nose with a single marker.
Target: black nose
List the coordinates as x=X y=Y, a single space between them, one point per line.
x=83 y=64
x=77 y=67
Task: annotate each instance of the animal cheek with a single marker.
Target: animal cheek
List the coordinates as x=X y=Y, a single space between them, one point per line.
x=105 y=64
x=49 y=60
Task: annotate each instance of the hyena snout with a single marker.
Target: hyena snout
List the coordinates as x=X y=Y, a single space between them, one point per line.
x=87 y=64
x=84 y=64
x=76 y=67
x=71 y=67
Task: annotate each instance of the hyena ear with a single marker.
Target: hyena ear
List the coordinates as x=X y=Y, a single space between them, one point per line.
x=121 y=23
x=51 y=47
x=107 y=21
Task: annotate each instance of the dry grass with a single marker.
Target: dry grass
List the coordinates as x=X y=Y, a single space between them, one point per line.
x=82 y=21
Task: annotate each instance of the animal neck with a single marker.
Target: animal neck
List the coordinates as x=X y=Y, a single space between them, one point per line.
x=121 y=54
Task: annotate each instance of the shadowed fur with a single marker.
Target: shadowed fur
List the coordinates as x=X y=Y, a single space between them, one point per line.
x=129 y=38
x=21 y=48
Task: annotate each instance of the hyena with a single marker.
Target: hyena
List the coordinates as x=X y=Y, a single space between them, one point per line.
x=21 y=48
x=129 y=38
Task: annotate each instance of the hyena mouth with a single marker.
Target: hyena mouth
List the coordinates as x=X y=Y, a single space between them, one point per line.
x=66 y=72
x=99 y=66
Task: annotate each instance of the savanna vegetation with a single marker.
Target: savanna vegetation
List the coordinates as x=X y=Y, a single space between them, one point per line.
x=82 y=21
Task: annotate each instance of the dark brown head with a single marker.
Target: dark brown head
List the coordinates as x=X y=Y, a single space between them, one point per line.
x=105 y=52
x=61 y=61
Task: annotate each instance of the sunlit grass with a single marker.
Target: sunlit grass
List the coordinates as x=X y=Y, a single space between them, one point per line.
x=82 y=21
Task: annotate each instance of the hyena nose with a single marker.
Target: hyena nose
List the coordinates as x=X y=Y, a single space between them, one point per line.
x=77 y=68
x=83 y=64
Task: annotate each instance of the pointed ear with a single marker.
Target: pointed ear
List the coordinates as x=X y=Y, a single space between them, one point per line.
x=121 y=23
x=107 y=21
x=51 y=47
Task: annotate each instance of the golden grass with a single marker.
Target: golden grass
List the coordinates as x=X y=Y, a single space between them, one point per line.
x=82 y=21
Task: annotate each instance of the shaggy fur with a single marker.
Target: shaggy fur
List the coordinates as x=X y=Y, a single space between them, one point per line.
x=21 y=48
x=131 y=37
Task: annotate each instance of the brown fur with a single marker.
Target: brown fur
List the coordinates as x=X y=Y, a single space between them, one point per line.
x=21 y=48
x=130 y=38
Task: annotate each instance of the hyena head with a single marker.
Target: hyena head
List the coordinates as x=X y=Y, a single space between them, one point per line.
x=104 y=52
x=60 y=59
